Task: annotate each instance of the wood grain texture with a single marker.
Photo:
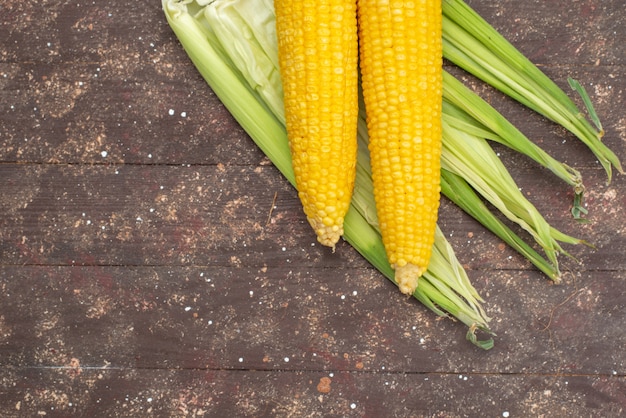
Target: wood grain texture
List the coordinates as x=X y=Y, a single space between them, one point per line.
x=154 y=263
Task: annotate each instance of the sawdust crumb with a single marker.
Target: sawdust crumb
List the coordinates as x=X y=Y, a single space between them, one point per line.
x=324 y=385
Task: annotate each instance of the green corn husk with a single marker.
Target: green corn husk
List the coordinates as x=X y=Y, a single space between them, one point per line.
x=226 y=18
x=474 y=45
x=480 y=117
x=445 y=288
x=476 y=116
x=461 y=193
x=471 y=158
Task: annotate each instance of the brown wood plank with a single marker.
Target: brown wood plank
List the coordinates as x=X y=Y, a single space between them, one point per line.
x=276 y=318
x=74 y=99
x=65 y=115
x=151 y=214
x=230 y=215
x=218 y=393
x=77 y=113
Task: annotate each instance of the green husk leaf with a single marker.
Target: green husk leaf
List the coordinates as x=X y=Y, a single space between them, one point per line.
x=474 y=45
x=461 y=193
x=578 y=88
x=207 y=55
x=474 y=112
x=471 y=158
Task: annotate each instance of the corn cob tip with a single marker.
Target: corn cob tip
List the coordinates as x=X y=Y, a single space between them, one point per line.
x=327 y=235
x=407 y=277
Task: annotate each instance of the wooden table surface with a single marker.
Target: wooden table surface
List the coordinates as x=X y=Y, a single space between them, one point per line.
x=154 y=263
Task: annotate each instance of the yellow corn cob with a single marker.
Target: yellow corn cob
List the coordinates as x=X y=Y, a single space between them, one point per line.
x=401 y=70
x=318 y=57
